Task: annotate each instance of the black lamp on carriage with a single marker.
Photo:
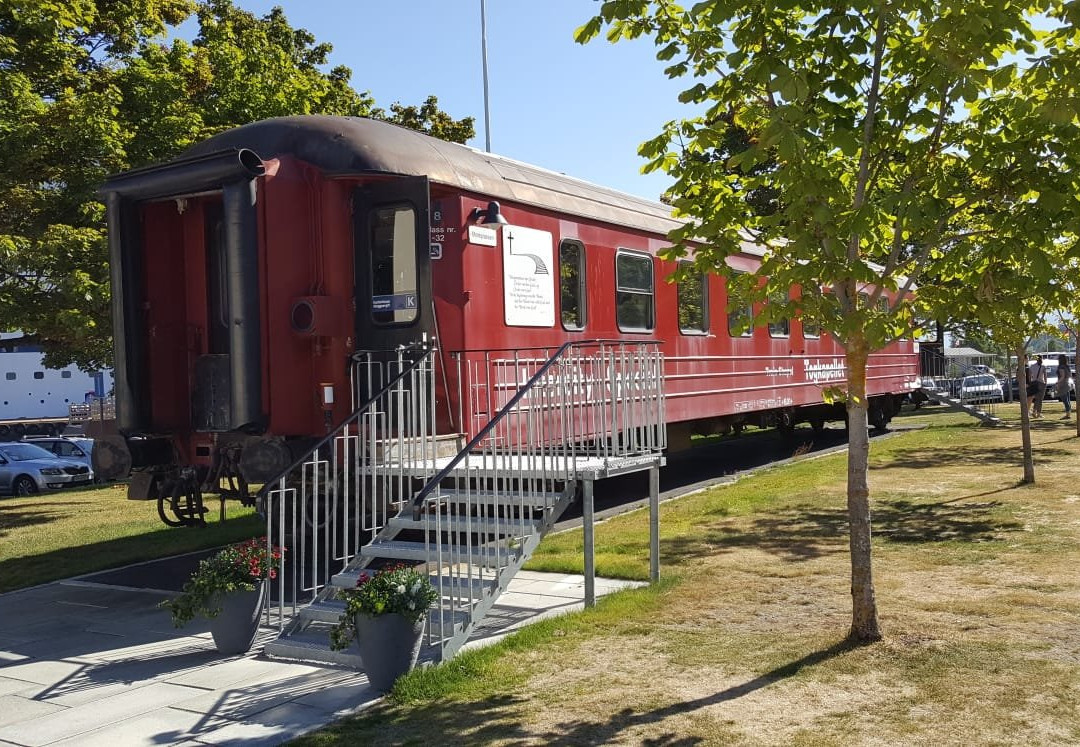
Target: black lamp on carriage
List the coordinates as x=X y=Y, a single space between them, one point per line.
x=493 y=214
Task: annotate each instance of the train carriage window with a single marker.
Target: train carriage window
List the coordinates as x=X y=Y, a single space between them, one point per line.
x=811 y=329
x=634 y=307
x=572 y=284
x=393 y=265
x=740 y=319
x=693 y=299
x=780 y=327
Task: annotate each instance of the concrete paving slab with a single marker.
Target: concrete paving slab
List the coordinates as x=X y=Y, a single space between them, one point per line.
x=344 y=698
x=8 y=685
x=44 y=629
x=269 y=728
x=228 y=672
x=242 y=701
x=14 y=709
x=147 y=644
x=160 y=727
x=77 y=644
x=118 y=673
x=71 y=722
x=44 y=671
x=93 y=684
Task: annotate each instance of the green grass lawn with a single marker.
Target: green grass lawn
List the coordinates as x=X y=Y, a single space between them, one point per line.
x=743 y=641
x=50 y=536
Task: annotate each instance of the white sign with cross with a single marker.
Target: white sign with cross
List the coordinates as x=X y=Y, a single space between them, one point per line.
x=528 y=284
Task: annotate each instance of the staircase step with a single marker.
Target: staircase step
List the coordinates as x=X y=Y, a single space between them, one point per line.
x=312 y=647
x=448 y=585
x=486 y=498
x=327 y=611
x=473 y=524
x=420 y=552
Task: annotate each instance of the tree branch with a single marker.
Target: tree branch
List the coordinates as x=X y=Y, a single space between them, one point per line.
x=868 y=128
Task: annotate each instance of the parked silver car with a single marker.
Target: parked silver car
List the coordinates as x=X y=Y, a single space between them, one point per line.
x=26 y=469
x=76 y=449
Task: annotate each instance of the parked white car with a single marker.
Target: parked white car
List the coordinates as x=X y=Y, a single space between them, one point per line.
x=981 y=388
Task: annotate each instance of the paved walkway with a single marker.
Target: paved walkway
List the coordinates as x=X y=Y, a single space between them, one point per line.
x=90 y=664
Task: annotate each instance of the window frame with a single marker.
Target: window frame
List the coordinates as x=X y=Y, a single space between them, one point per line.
x=582 y=286
x=619 y=253
x=403 y=206
x=747 y=310
x=705 y=321
x=785 y=322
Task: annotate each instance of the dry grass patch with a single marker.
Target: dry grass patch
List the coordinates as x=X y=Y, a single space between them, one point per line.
x=743 y=642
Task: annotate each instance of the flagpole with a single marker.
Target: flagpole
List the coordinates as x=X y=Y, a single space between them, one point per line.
x=483 y=48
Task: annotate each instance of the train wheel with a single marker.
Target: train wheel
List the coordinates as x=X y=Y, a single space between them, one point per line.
x=5 y=432
x=785 y=423
x=179 y=501
x=817 y=425
x=878 y=419
x=24 y=485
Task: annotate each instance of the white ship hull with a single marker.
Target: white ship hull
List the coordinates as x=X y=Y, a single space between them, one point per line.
x=30 y=391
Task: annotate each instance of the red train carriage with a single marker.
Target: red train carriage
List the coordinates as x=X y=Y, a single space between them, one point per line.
x=252 y=273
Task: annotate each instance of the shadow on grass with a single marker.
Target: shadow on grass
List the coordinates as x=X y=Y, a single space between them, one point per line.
x=498 y=719
x=804 y=533
x=18 y=515
x=30 y=570
x=592 y=732
x=1009 y=456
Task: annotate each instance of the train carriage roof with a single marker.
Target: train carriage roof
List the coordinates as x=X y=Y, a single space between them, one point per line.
x=343 y=146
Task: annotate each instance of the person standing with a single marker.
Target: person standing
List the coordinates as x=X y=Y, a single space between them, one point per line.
x=1036 y=388
x=1064 y=374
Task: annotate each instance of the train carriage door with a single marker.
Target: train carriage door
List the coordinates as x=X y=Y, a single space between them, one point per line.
x=393 y=278
x=393 y=264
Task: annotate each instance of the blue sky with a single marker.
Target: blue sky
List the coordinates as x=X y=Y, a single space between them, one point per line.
x=581 y=110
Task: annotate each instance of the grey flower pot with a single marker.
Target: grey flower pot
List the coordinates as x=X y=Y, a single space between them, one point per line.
x=389 y=646
x=234 y=628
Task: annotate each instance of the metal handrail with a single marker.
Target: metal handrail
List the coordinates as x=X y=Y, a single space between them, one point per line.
x=348 y=420
x=421 y=497
x=510 y=406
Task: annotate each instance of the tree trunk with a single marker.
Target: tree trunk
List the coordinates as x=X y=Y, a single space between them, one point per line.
x=1025 y=420
x=864 y=620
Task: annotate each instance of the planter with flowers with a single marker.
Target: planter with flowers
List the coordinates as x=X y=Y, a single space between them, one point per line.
x=385 y=615
x=229 y=588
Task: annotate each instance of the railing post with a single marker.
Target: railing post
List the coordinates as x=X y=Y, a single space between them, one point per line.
x=654 y=523
x=590 y=550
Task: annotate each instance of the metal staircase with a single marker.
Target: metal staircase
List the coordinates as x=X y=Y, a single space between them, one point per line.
x=956 y=403
x=381 y=489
